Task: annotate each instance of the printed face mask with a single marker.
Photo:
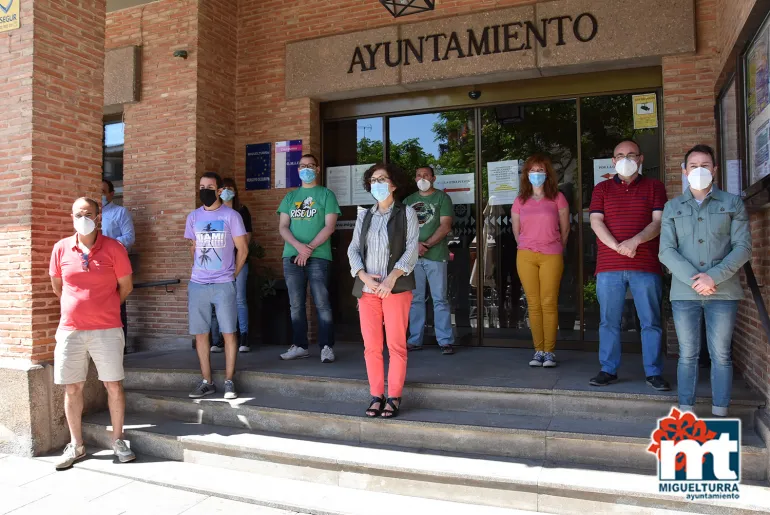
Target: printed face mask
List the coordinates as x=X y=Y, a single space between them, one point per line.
x=423 y=184
x=380 y=191
x=307 y=175
x=626 y=167
x=537 y=179
x=700 y=179
x=84 y=225
x=208 y=197
x=227 y=195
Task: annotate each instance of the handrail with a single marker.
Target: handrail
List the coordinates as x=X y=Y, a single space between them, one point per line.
x=758 y=300
x=152 y=284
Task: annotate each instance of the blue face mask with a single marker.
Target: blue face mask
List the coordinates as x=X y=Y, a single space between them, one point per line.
x=227 y=195
x=537 y=179
x=307 y=175
x=380 y=191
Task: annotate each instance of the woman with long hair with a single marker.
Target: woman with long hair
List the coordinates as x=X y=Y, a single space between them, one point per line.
x=383 y=254
x=541 y=227
x=230 y=198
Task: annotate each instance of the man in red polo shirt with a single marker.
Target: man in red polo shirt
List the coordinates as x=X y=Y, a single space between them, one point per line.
x=91 y=275
x=626 y=213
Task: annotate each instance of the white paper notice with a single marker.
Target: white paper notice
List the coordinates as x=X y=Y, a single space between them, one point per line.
x=503 y=179
x=603 y=170
x=359 y=196
x=459 y=187
x=338 y=180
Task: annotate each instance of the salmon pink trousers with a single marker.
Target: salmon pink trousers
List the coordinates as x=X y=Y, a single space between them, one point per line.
x=394 y=310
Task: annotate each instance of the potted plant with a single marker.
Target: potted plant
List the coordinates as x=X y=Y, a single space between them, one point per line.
x=268 y=299
x=590 y=304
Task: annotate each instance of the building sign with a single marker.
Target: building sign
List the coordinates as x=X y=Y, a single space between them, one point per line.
x=459 y=186
x=258 y=166
x=287 y=157
x=493 y=39
x=9 y=15
x=645 y=111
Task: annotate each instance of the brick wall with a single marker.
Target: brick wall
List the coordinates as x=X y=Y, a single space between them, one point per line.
x=160 y=157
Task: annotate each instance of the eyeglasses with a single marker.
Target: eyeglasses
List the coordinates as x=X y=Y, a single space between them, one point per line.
x=379 y=180
x=308 y=165
x=84 y=262
x=632 y=156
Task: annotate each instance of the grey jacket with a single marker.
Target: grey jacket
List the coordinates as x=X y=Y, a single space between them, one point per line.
x=714 y=238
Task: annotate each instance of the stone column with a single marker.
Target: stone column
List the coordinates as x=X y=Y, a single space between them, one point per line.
x=50 y=153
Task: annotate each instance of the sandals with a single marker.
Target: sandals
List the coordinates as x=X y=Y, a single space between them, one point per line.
x=393 y=412
x=371 y=412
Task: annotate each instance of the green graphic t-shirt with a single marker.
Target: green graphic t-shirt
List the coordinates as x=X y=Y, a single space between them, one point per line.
x=430 y=209
x=307 y=208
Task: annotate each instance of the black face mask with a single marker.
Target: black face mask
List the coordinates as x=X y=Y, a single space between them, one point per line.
x=208 y=197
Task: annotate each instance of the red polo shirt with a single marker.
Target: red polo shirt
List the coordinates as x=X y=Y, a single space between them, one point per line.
x=90 y=299
x=627 y=210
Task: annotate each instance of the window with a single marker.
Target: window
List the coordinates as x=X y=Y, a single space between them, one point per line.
x=730 y=161
x=112 y=156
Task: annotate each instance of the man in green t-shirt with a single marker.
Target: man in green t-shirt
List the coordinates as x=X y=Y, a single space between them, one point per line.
x=435 y=213
x=308 y=216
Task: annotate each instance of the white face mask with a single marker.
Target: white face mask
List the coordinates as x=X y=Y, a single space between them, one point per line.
x=84 y=225
x=626 y=167
x=423 y=184
x=700 y=178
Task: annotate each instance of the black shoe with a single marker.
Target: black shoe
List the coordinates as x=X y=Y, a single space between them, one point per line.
x=603 y=379
x=659 y=383
x=447 y=350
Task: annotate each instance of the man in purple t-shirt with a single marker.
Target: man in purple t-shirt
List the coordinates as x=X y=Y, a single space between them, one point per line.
x=216 y=231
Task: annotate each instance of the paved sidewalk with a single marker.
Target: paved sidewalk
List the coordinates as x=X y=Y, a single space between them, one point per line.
x=31 y=486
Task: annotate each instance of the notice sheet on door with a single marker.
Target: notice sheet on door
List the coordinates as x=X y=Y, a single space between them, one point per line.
x=503 y=182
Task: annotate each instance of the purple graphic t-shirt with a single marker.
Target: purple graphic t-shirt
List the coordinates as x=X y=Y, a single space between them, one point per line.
x=213 y=232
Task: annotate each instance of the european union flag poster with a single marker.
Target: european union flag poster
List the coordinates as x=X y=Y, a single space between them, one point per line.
x=258 y=166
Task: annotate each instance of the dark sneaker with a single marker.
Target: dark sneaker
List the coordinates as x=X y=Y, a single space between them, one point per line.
x=410 y=347
x=659 y=383
x=203 y=389
x=538 y=359
x=603 y=379
x=446 y=350
x=230 y=392
x=549 y=360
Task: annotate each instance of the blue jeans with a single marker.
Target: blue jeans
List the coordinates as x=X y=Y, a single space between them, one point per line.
x=647 y=290
x=720 y=322
x=242 y=304
x=315 y=272
x=433 y=273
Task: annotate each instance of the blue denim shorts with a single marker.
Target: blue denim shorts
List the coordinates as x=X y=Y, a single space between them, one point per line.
x=200 y=299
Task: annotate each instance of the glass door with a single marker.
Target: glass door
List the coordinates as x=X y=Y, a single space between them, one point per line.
x=510 y=134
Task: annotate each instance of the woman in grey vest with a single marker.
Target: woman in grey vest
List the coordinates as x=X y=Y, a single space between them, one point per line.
x=382 y=255
x=705 y=239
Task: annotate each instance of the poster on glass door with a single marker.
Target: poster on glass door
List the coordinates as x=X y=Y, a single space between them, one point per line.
x=459 y=186
x=603 y=170
x=347 y=184
x=503 y=182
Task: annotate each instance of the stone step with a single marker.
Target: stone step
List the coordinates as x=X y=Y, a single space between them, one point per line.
x=289 y=473
x=579 y=400
x=558 y=439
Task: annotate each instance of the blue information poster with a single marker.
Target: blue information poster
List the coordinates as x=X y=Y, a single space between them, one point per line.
x=258 y=166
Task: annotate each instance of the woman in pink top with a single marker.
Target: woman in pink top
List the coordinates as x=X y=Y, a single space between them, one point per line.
x=541 y=227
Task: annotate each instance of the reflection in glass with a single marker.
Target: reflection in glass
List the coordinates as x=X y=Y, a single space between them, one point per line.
x=112 y=157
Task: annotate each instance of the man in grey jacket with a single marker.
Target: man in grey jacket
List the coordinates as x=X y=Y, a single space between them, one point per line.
x=705 y=240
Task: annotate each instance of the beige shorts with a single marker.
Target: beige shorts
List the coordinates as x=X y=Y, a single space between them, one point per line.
x=105 y=346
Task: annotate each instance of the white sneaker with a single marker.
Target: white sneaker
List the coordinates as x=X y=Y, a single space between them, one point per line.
x=122 y=451
x=217 y=349
x=71 y=454
x=327 y=354
x=549 y=360
x=295 y=352
x=244 y=348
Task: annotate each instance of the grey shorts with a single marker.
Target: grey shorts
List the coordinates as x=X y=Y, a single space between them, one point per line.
x=200 y=299
x=70 y=358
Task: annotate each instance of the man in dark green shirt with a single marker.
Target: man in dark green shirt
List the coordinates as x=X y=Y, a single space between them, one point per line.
x=308 y=216
x=435 y=214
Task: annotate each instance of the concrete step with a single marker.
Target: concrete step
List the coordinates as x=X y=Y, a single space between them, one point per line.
x=303 y=474
x=557 y=439
x=573 y=399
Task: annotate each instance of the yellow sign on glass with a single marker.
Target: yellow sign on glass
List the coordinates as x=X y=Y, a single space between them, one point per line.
x=9 y=15
x=645 y=111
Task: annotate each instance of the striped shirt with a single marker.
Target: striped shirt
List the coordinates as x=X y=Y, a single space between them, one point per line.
x=378 y=245
x=627 y=210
